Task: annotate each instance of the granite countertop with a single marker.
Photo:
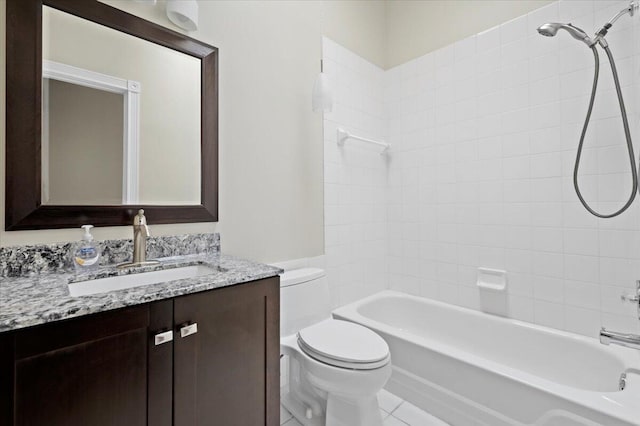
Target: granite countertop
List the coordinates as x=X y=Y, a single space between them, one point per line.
x=41 y=298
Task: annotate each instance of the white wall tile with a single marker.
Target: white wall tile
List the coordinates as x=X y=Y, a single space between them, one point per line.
x=545 y=91
x=547 y=214
x=488 y=40
x=549 y=314
x=546 y=190
x=515 y=29
x=513 y=50
x=581 y=294
x=581 y=241
x=547 y=239
x=465 y=49
x=544 y=67
x=574 y=8
x=514 y=74
x=581 y=268
x=621 y=244
x=356 y=178
x=582 y=321
x=547 y=264
x=515 y=98
x=546 y=165
x=515 y=144
x=540 y=16
x=540 y=46
x=445 y=56
x=549 y=289
x=620 y=322
x=521 y=308
x=484 y=135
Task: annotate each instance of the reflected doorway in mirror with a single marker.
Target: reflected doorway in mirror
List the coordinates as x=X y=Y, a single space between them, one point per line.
x=130 y=126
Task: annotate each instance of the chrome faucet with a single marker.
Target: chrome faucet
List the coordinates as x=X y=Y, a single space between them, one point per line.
x=140 y=235
x=608 y=337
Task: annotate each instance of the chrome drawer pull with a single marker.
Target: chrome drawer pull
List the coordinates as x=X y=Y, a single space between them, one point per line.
x=188 y=330
x=164 y=337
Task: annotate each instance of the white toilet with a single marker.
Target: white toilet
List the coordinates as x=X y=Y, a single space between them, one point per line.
x=336 y=368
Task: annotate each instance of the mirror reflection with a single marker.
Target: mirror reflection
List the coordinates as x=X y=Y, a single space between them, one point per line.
x=121 y=117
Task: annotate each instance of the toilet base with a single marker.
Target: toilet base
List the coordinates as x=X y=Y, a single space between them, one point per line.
x=339 y=412
x=345 y=412
x=300 y=411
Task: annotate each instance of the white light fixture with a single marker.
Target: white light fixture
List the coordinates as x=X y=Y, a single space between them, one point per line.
x=183 y=13
x=322 y=98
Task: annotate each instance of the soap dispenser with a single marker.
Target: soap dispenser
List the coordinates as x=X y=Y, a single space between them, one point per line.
x=86 y=253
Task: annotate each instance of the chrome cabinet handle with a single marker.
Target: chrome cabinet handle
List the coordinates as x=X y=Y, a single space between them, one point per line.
x=163 y=337
x=188 y=330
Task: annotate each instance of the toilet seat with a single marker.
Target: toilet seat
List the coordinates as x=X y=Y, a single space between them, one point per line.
x=344 y=344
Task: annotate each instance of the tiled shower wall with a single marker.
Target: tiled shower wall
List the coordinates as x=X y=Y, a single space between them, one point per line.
x=484 y=135
x=354 y=178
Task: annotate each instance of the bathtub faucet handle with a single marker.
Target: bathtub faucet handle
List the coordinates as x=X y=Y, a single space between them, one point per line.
x=633 y=297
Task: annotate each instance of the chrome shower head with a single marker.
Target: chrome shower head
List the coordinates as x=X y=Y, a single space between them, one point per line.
x=550 y=29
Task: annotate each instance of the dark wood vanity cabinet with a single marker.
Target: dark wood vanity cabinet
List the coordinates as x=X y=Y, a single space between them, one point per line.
x=228 y=372
x=106 y=369
x=90 y=371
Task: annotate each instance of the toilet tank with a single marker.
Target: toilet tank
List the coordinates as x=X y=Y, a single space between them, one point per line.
x=304 y=299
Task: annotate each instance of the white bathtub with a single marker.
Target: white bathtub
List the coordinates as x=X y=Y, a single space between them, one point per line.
x=471 y=368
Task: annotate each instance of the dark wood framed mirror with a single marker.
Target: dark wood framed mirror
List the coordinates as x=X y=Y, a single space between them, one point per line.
x=24 y=206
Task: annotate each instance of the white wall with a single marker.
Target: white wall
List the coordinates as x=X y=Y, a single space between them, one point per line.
x=360 y=26
x=484 y=135
x=388 y=33
x=269 y=55
x=354 y=179
x=270 y=140
x=415 y=28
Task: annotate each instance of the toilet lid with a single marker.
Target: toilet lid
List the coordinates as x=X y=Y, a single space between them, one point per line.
x=344 y=344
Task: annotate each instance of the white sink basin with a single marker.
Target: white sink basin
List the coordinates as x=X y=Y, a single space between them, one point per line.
x=121 y=282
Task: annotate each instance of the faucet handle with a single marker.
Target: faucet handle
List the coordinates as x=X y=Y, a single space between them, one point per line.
x=633 y=297
x=140 y=218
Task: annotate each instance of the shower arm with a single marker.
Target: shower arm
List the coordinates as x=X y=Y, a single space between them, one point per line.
x=631 y=9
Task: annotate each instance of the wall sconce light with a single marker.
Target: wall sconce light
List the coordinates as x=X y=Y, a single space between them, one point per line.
x=322 y=98
x=183 y=13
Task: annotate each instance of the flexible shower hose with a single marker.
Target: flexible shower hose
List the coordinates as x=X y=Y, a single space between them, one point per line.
x=627 y=134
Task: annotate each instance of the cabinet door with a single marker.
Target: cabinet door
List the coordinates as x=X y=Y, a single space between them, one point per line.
x=227 y=373
x=87 y=371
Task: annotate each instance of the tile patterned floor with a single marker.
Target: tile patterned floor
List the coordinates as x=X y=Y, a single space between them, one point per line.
x=395 y=412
